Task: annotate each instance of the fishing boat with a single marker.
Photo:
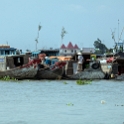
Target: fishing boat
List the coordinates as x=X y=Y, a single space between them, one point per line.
x=56 y=71
x=22 y=72
x=18 y=67
x=94 y=71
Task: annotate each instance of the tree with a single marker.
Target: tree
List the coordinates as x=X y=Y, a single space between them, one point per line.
x=36 y=40
x=100 y=47
x=63 y=32
x=110 y=50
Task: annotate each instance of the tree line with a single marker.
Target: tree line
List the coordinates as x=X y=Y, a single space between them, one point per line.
x=101 y=48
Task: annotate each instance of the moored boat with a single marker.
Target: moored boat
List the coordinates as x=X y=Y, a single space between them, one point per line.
x=18 y=67
x=22 y=72
x=93 y=72
x=55 y=71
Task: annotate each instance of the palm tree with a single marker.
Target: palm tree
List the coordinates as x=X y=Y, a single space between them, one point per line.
x=63 y=32
x=36 y=40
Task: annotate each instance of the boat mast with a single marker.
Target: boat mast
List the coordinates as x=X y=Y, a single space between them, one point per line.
x=118 y=30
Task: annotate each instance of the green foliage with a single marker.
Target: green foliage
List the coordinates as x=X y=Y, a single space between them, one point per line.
x=65 y=82
x=63 y=32
x=7 y=78
x=100 y=47
x=83 y=82
x=69 y=104
x=109 y=51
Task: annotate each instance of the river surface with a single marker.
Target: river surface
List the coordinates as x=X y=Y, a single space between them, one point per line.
x=61 y=102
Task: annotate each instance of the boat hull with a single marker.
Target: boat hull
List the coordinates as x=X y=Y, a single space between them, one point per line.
x=20 y=72
x=50 y=74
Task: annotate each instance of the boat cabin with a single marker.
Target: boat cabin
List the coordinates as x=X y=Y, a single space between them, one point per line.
x=7 y=50
x=9 y=62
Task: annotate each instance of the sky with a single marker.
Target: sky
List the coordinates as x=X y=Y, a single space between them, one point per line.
x=84 y=21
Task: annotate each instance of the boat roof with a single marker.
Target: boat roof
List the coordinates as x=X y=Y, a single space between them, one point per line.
x=3 y=49
x=36 y=52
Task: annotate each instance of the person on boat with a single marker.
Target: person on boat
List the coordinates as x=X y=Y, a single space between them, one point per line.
x=80 y=62
x=42 y=57
x=47 y=61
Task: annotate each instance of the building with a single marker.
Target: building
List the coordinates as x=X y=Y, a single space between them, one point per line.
x=69 y=49
x=11 y=57
x=7 y=50
x=88 y=50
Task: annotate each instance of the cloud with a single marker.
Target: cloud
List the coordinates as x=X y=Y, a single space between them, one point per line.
x=102 y=8
x=106 y=10
x=74 y=7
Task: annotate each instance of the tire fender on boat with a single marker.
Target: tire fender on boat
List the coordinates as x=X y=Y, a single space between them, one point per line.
x=95 y=65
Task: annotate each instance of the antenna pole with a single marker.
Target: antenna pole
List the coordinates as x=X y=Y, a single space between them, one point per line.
x=118 y=30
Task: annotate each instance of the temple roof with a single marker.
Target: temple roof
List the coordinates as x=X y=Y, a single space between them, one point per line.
x=76 y=47
x=63 y=46
x=70 y=46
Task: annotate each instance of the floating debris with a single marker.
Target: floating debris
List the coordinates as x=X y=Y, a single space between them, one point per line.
x=82 y=82
x=65 y=82
x=103 y=101
x=119 y=105
x=69 y=104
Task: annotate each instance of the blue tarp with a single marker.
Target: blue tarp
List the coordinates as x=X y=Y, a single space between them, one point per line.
x=53 y=61
x=48 y=61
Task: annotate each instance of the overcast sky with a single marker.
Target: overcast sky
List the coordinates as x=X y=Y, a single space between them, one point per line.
x=84 y=20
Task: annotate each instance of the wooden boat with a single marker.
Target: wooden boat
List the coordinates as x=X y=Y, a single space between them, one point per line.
x=93 y=72
x=54 y=72
x=47 y=73
x=18 y=67
x=22 y=72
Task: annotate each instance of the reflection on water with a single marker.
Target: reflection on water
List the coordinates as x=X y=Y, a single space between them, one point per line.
x=61 y=102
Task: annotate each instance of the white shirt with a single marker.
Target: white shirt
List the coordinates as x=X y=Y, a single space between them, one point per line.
x=80 y=59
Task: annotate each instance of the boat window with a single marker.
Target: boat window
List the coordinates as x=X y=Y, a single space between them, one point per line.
x=18 y=61
x=6 y=52
x=2 y=52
